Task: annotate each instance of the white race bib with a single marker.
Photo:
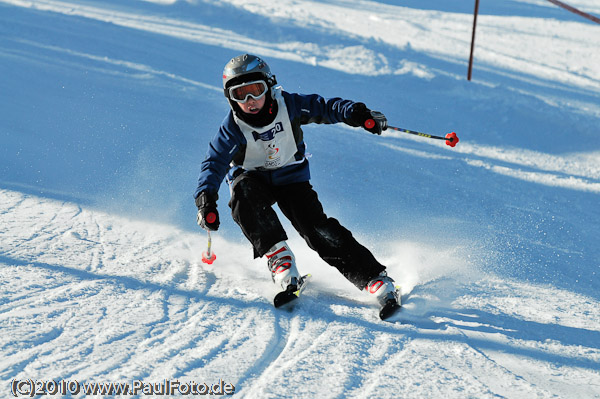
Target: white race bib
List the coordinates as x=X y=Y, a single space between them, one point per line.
x=272 y=146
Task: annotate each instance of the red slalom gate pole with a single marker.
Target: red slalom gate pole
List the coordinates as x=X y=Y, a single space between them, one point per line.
x=451 y=138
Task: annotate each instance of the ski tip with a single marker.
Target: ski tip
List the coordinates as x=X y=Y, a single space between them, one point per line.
x=388 y=310
x=291 y=293
x=284 y=298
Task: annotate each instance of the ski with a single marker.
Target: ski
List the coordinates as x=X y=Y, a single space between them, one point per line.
x=291 y=293
x=391 y=305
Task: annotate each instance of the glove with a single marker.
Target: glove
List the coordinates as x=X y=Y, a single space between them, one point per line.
x=208 y=216
x=372 y=121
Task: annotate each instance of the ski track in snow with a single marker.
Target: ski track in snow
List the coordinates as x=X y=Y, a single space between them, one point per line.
x=133 y=300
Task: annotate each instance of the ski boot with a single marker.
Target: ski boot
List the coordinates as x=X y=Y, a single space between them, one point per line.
x=382 y=288
x=282 y=265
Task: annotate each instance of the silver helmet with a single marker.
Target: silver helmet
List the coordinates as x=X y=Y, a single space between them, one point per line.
x=246 y=68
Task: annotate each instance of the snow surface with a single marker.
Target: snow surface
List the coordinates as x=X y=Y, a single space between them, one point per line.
x=106 y=111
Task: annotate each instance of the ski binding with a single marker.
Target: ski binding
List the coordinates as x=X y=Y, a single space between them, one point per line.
x=391 y=304
x=291 y=293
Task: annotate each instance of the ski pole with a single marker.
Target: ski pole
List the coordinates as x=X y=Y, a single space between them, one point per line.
x=208 y=256
x=451 y=138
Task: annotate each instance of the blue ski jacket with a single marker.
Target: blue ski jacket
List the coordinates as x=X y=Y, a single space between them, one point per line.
x=227 y=150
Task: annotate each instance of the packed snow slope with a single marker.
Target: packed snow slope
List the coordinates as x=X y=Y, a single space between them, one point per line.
x=106 y=111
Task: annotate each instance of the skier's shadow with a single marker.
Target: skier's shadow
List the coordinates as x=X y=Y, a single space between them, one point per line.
x=477 y=328
x=474 y=327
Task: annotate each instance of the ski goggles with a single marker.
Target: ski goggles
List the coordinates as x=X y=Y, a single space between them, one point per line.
x=255 y=89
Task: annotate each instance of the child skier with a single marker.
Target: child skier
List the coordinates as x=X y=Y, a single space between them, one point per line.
x=260 y=147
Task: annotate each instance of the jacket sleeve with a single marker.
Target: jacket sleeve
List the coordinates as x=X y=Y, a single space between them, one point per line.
x=312 y=108
x=221 y=150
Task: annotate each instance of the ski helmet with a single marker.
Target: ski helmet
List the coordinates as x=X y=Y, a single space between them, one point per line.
x=246 y=68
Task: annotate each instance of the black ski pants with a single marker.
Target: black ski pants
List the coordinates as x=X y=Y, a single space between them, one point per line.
x=251 y=203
